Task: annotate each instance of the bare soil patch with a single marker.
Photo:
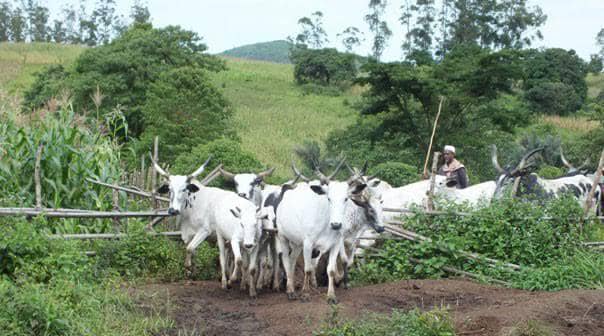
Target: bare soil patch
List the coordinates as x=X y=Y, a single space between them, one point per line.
x=203 y=308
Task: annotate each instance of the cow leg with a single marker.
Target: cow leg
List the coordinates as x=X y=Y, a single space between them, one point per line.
x=276 y=264
x=286 y=257
x=238 y=262
x=252 y=268
x=199 y=237
x=313 y=277
x=308 y=269
x=331 y=273
x=244 y=271
x=222 y=254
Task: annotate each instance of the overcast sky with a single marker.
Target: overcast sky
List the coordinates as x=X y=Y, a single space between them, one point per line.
x=224 y=24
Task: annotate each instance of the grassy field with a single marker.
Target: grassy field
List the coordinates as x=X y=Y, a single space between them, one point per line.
x=273 y=115
x=595 y=84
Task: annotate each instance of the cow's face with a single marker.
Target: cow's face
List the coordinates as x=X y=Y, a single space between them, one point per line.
x=251 y=226
x=247 y=184
x=179 y=189
x=337 y=196
x=369 y=199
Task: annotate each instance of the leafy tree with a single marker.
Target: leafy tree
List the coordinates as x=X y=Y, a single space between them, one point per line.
x=139 y=13
x=104 y=18
x=87 y=27
x=600 y=41
x=312 y=34
x=351 y=38
x=71 y=26
x=58 y=32
x=5 y=11
x=125 y=69
x=323 y=66
x=18 y=25
x=554 y=80
x=184 y=109
x=595 y=64
x=379 y=28
x=38 y=21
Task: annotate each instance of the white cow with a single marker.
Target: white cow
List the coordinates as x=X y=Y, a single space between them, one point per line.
x=204 y=211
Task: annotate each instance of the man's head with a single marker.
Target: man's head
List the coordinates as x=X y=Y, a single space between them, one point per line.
x=449 y=153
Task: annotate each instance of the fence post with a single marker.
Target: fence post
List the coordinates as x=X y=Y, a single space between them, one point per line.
x=37 y=177
x=594 y=185
x=430 y=204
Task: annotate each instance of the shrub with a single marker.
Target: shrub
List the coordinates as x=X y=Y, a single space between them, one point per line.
x=323 y=66
x=395 y=173
x=553 y=98
x=549 y=172
x=225 y=151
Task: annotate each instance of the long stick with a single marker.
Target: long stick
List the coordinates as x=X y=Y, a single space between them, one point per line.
x=594 y=185
x=78 y=214
x=212 y=175
x=128 y=190
x=464 y=273
x=154 y=201
x=37 y=177
x=109 y=235
x=425 y=173
x=432 y=181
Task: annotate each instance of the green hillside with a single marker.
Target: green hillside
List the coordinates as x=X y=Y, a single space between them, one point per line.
x=274 y=51
x=272 y=115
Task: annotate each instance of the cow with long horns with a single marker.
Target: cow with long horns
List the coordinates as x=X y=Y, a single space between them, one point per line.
x=203 y=211
x=577 y=185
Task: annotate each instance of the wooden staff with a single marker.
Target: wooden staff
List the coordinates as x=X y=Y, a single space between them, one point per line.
x=430 y=204
x=425 y=173
x=594 y=185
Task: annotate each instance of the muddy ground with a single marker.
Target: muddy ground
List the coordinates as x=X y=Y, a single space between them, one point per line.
x=203 y=308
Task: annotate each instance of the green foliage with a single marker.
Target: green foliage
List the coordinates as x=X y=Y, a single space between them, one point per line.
x=395 y=173
x=71 y=153
x=184 y=109
x=554 y=81
x=225 y=151
x=125 y=69
x=508 y=230
x=323 y=66
x=550 y=172
x=595 y=65
x=436 y=322
x=47 y=83
x=274 y=51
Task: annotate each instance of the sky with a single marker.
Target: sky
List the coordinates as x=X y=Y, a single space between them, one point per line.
x=225 y=24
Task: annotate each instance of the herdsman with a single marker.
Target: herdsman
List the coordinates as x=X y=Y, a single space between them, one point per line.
x=453 y=169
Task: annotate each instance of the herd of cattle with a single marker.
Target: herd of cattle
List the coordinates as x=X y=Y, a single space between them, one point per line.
x=275 y=223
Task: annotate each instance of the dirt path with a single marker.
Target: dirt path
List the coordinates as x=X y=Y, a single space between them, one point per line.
x=202 y=308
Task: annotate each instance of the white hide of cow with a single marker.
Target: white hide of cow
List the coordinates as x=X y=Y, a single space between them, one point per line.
x=475 y=196
x=203 y=211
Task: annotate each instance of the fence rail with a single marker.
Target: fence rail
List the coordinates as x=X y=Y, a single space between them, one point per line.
x=78 y=213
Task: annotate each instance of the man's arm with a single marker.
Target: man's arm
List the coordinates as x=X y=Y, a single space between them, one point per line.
x=462 y=178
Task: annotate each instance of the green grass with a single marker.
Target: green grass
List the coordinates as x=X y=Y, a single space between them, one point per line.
x=19 y=61
x=595 y=84
x=273 y=116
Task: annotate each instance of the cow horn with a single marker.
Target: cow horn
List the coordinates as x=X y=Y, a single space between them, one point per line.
x=352 y=172
x=324 y=179
x=199 y=170
x=266 y=173
x=298 y=174
x=364 y=169
x=585 y=164
x=522 y=163
x=158 y=168
x=227 y=175
x=564 y=161
x=335 y=172
x=495 y=161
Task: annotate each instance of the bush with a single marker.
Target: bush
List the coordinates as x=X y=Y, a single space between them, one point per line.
x=323 y=66
x=395 y=173
x=553 y=98
x=549 y=172
x=184 y=109
x=225 y=151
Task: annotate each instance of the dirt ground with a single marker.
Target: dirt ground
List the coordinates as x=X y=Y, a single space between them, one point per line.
x=203 y=308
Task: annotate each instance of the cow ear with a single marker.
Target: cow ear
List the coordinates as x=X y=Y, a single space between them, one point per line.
x=192 y=188
x=258 y=180
x=164 y=189
x=375 y=183
x=359 y=188
x=318 y=189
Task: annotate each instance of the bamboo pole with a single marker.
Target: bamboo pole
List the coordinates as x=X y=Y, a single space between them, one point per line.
x=37 y=176
x=154 y=201
x=128 y=190
x=440 y=104
x=143 y=174
x=594 y=185
x=211 y=176
x=83 y=236
x=410 y=235
x=4 y=212
x=430 y=205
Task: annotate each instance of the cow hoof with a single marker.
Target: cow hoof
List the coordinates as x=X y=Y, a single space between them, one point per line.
x=332 y=301
x=291 y=296
x=305 y=297
x=345 y=285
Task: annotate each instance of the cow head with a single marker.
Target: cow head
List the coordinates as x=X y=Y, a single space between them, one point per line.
x=247 y=185
x=179 y=187
x=507 y=176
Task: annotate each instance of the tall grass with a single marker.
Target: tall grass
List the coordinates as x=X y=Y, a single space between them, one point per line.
x=574 y=124
x=272 y=114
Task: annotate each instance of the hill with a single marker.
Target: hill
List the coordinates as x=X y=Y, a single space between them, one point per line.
x=274 y=51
